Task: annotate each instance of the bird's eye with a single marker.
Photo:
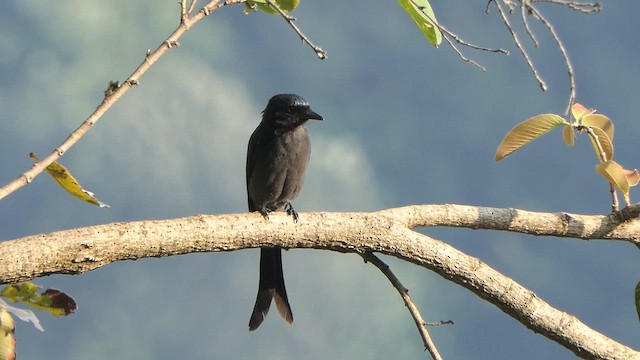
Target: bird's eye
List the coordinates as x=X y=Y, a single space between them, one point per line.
x=291 y=108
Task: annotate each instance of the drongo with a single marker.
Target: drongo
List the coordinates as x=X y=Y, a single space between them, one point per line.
x=277 y=159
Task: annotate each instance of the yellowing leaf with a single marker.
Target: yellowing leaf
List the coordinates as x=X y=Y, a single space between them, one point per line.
x=616 y=175
x=63 y=177
x=52 y=301
x=578 y=111
x=284 y=5
x=568 y=135
x=599 y=121
x=7 y=341
x=417 y=10
x=638 y=299
x=526 y=132
x=605 y=143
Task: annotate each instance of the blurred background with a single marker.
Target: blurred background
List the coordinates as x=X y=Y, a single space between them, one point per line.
x=405 y=123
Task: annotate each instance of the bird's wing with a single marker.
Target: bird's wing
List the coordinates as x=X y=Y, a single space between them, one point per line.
x=254 y=143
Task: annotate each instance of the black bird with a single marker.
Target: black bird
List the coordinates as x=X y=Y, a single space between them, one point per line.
x=277 y=159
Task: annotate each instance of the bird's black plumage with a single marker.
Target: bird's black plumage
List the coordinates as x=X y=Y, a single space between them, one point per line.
x=277 y=158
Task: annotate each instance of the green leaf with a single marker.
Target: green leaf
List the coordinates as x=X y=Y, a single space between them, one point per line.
x=53 y=301
x=417 y=10
x=616 y=175
x=63 y=177
x=263 y=5
x=526 y=132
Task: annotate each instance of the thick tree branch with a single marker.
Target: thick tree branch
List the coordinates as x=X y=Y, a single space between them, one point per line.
x=389 y=232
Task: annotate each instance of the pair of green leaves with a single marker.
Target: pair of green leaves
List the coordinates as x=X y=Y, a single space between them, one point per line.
x=600 y=130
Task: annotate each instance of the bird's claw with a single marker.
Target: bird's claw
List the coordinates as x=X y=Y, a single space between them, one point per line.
x=265 y=213
x=291 y=212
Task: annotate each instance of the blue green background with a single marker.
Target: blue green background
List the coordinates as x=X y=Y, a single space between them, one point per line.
x=405 y=123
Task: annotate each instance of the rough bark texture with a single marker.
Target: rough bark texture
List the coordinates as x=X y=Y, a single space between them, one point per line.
x=389 y=232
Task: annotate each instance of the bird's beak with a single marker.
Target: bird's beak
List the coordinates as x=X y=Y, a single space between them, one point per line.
x=311 y=115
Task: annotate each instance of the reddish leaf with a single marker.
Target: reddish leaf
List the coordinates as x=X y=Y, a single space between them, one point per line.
x=578 y=111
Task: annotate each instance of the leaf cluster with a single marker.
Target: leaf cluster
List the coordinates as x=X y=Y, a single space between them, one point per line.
x=598 y=127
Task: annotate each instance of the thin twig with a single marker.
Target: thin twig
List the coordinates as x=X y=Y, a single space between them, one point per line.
x=439 y=323
x=464 y=58
x=113 y=97
x=290 y=20
x=415 y=313
x=524 y=53
x=183 y=11
x=587 y=8
x=565 y=55
x=192 y=6
x=603 y=158
x=525 y=21
x=455 y=36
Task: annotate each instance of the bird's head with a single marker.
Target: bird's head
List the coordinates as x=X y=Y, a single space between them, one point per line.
x=288 y=110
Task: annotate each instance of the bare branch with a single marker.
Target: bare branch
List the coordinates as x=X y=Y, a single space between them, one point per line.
x=584 y=7
x=464 y=58
x=404 y=293
x=527 y=27
x=192 y=6
x=388 y=232
x=183 y=11
x=456 y=38
x=113 y=97
x=565 y=55
x=290 y=20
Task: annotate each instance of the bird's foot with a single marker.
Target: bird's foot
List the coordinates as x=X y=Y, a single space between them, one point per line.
x=291 y=212
x=265 y=213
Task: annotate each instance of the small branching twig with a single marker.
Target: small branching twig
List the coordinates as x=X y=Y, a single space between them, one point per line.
x=527 y=9
x=192 y=6
x=415 y=313
x=586 y=8
x=439 y=323
x=290 y=20
x=448 y=35
x=184 y=14
x=461 y=55
x=527 y=27
x=572 y=79
x=516 y=40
